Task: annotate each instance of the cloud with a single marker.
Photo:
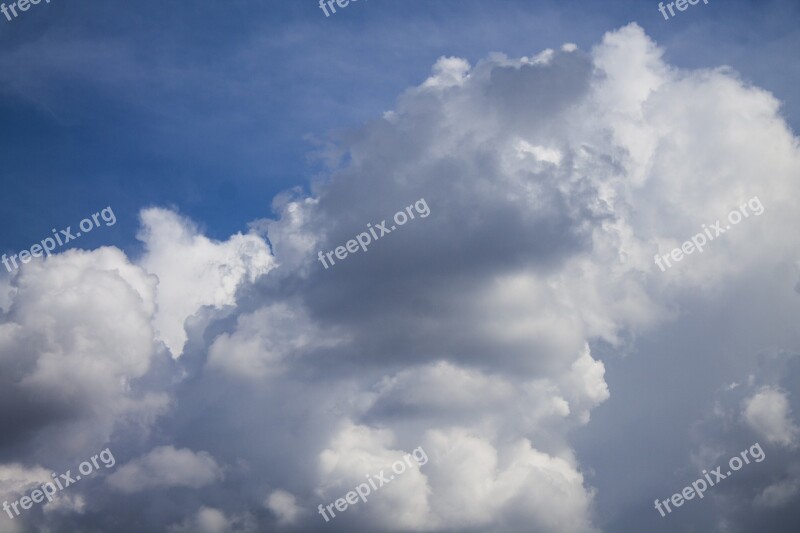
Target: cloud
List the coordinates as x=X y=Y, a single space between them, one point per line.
x=75 y=341
x=552 y=182
x=768 y=414
x=17 y=480
x=284 y=505
x=756 y=410
x=360 y=450
x=779 y=494
x=210 y=520
x=194 y=270
x=476 y=485
x=166 y=466
x=481 y=333
x=265 y=341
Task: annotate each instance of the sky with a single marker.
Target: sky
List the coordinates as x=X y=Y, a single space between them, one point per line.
x=249 y=330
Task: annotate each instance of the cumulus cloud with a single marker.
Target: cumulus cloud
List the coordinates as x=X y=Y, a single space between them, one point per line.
x=76 y=338
x=284 y=505
x=768 y=414
x=193 y=270
x=360 y=450
x=552 y=181
x=476 y=485
x=210 y=520
x=166 y=466
x=478 y=333
x=265 y=341
x=17 y=480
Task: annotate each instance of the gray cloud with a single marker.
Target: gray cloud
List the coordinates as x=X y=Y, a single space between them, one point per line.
x=166 y=466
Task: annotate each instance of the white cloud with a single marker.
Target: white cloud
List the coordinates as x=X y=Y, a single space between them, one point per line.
x=442 y=386
x=77 y=336
x=357 y=451
x=474 y=484
x=166 y=466
x=194 y=270
x=768 y=414
x=211 y=520
x=17 y=480
x=593 y=163
x=447 y=72
x=284 y=505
